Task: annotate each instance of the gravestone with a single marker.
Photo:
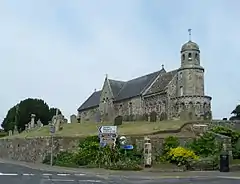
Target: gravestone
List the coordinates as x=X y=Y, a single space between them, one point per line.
x=15 y=131
x=145 y=117
x=65 y=120
x=10 y=133
x=118 y=120
x=39 y=123
x=163 y=116
x=153 y=116
x=29 y=126
x=33 y=120
x=73 y=118
x=26 y=127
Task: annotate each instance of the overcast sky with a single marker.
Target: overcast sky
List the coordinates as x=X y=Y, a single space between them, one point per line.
x=60 y=50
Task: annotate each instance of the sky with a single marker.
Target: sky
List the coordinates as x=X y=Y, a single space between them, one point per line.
x=61 y=50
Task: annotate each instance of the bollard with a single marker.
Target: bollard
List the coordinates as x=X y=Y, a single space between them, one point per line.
x=147 y=152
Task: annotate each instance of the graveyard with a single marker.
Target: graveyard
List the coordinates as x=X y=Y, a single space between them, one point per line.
x=85 y=129
x=74 y=128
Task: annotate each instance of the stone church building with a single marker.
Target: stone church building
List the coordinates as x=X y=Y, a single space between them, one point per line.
x=176 y=94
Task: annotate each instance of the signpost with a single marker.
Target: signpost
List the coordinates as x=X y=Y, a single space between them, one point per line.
x=52 y=131
x=107 y=135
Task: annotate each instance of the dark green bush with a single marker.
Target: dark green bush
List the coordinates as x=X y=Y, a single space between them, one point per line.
x=234 y=135
x=89 y=154
x=205 y=145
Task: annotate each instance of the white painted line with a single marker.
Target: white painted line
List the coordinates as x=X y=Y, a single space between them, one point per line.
x=93 y=181
x=80 y=174
x=8 y=174
x=63 y=174
x=28 y=174
x=45 y=174
x=229 y=177
x=60 y=180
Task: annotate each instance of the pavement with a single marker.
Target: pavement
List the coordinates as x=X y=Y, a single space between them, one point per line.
x=12 y=172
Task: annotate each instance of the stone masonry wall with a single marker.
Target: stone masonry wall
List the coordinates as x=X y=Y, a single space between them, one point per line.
x=36 y=149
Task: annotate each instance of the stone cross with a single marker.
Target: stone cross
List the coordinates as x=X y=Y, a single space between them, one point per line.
x=33 y=120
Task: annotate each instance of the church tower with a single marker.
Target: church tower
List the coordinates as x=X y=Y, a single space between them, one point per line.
x=190 y=83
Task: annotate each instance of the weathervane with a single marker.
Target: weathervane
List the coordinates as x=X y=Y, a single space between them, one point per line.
x=190 y=34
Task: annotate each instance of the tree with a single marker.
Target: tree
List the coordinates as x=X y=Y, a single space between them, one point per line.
x=20 y=114
x=236 y=113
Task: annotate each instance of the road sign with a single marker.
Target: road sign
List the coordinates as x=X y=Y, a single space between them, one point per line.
x=108 y=129
x=107 y=135
x=128 y=147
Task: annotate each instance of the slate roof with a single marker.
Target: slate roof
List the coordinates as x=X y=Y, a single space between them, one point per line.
x=92 y=101
x=129 y=89
x=164 y=81
x=116 y=86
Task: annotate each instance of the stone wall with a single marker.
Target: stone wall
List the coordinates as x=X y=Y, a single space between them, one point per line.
x=36 y=149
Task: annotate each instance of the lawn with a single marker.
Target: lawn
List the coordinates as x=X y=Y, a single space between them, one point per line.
x=89 y=128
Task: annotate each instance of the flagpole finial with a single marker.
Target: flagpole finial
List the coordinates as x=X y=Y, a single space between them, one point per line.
x=189 y=34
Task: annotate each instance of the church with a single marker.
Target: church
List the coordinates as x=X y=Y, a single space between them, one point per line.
x=175 y=94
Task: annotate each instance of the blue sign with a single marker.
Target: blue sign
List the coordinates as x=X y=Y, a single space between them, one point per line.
x=52 y=129
x=128 y=147
x=103 y=144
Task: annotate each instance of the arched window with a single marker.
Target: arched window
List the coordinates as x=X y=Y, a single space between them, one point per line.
x=130 y=108
x=189 y=56
x=196 y=56
x=183 y=57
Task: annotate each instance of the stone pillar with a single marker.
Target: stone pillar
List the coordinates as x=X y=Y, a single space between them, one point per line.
x=33 y=120
x=147 y=152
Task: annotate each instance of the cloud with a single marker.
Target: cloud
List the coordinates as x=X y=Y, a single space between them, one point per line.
x=60 y=51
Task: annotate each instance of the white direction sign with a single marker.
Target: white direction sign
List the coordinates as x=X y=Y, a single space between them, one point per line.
x=108 y=130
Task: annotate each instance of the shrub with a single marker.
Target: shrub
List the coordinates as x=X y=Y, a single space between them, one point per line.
x=205 y=145
x=89 y=154
x=170 y=142
x=234 y=135
x=181 y=156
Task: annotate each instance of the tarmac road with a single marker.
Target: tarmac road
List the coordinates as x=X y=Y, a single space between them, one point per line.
x=19 y=174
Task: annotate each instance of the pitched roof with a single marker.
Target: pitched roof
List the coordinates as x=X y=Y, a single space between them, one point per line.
x=163 y=81
x=116 y=86
x=135 y=86
x=129 y=89
x=92 y=101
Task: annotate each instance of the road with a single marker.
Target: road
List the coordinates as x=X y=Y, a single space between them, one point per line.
x=16 y=174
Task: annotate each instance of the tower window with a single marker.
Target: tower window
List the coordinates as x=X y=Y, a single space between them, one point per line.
x=196 y=56
x=189 y=56
x=180 y=75
x=183 y=57
x=181 y=91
